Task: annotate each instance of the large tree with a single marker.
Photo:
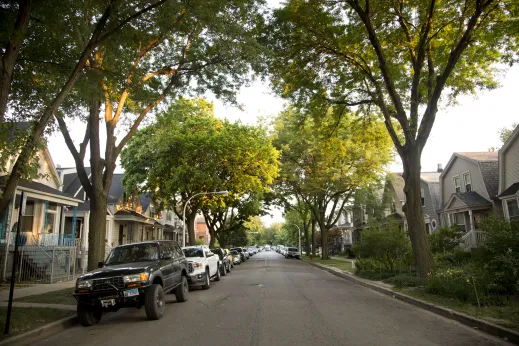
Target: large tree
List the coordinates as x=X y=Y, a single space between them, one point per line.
x=188 y=151
x=326 y=157
x=42 y=87
x=402 y=57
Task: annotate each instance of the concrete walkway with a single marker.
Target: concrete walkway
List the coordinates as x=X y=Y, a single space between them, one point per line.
x=36 y=289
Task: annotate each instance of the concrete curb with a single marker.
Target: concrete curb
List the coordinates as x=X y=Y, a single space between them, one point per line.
x=487 y=327
x=41 y=332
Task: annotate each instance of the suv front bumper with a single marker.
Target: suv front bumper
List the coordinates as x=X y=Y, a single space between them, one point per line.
x=196 y=279
x=94 y=298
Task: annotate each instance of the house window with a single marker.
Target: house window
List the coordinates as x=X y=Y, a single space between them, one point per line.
x=459 y=219
x=457 y=185
x=393 y=208
x=468 y=182
x=513 y=209
x=168 y=216
x=28 y=217
x=422 y=193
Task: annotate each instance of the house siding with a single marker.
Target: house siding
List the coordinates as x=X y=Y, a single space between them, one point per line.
x=458 y=167
x=511 y=164
x=429 y=208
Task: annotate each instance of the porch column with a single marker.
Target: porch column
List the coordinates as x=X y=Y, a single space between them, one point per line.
x=471 y=220
x=449 y=221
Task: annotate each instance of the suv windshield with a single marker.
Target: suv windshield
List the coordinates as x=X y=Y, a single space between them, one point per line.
x=193 y=252
x=133 y=253
x=292 y=249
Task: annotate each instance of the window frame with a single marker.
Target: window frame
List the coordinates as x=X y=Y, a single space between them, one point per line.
x=454 y=183
x=464 y=175
x=422 y=196
x=515 y=217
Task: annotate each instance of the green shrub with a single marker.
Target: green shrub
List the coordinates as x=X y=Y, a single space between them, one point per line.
x=388 y=247
x=455 y=257
x=445 y=240
x=451 y=283
x=406 y=280
x=499 y=255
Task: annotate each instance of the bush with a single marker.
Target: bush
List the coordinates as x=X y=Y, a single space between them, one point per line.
x=445 y=240
x=451 y=283
x=406 y=280
x=388 y=247
x=455 y=257
x=499 y=255
x=375 y=276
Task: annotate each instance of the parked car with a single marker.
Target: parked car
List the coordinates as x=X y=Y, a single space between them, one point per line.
x=252 y=250
x=203 y=265
x=236 y=257
x=241 y=252
x=267 y=248
x=246 y=253
x=133 y=275
x=225 y=263
x=229 y=256
x=292 y=252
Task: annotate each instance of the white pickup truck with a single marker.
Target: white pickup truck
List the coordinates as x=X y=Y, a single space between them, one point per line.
x=203 y=265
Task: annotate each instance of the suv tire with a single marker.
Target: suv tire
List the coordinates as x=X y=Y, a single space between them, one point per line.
x=154 y=302
x=217 y=276
x=207 y=283
x=181 y=292
x=88 y=315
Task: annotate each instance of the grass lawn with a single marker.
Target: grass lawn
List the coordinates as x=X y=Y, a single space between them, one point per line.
x=342 y=265
x=25 y=319
x=63 y=296
x=506 y=316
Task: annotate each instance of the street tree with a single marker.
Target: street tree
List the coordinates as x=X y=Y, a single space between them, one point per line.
x=327 y=157
x=188 y=151
x=38 y=89
x=405 y=58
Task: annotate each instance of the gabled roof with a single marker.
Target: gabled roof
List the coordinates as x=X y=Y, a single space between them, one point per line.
x=71 y=182
x=39 y=187
x=513 y=137
x=512 y=190
x=470 y=199
x=430 y=177
x=116 y=189
x=480 y=156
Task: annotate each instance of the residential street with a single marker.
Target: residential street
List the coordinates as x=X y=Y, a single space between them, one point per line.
x=270 y=300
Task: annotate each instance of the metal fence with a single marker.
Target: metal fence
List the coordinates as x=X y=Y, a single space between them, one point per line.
x=39 y=264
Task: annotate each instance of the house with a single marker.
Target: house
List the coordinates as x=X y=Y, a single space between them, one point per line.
x=346 y=230
x=201 y=230
x=129 y=218
x=509 y=176
x=49 y=248
x=468 y=189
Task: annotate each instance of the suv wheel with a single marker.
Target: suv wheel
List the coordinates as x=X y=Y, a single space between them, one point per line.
x=88 y=315
x=223 y=269
x=154 y=302
x=207 y=283
x=217 y=275
x=182 y=290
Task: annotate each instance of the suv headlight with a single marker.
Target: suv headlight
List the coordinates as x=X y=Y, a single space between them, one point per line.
x=84 y=283
x=197 y=265
x=135 y=278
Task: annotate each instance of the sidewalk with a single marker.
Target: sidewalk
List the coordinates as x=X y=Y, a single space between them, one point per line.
x=341 y=259
x=37 y=305
x=36 y=289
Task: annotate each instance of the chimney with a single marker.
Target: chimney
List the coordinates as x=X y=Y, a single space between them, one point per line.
x=440 y=168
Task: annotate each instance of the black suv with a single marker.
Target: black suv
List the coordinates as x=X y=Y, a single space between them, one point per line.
x=134 y=275
x=225 y=267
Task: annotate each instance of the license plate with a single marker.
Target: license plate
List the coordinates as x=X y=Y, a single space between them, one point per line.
x=131 y=293
x=107 y=302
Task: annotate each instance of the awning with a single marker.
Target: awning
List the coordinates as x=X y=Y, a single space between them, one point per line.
x=513 y=190
x=463 y=201
x=43 y=192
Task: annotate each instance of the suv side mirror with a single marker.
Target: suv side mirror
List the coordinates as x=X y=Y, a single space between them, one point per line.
x=210 y=254
x=100 y=264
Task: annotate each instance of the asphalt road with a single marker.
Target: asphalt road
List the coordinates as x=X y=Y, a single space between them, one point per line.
x=270 y=300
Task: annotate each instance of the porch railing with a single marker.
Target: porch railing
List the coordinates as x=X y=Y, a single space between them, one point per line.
x=471 y=239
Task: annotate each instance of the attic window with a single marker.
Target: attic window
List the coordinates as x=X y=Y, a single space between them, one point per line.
x=468 y=182
x=457 y=185
x=422 y=193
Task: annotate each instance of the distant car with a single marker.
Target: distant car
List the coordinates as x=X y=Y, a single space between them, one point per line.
x=203 y=265
x=253 y=250
x=267 y=248
x=229 y=256
x=280 y=249
x=236 y=257
x=241 y=252
x=225 y=263
x=246 y=253
x=292 y=252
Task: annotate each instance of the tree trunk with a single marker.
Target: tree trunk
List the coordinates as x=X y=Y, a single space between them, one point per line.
x=414 y=213
x=11 y=53
x=313 y=237
x=212 y=238
x=190 y=220
x=307 y=238
x=97 y=231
